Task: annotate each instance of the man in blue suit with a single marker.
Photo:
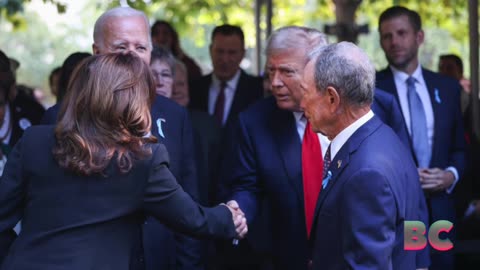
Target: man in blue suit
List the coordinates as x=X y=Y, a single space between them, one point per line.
x=263 y=166
x=368 y=190
x=435 y=125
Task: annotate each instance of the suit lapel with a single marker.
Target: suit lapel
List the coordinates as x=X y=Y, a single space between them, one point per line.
x=434 y=93
x=386 y=82
x=286 y=137
x=341 y=161
x=239 y=97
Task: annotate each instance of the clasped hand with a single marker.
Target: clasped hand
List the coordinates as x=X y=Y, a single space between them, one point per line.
x=238 y=219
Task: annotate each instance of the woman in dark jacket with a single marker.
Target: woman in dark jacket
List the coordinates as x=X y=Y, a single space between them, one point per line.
x=82 y=188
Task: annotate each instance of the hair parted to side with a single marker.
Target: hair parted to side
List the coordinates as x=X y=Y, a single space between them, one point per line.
x=105 y=114
x=295 y=37
x=397 y=11
x=164 y=56
x=118 y=12
x=228 y=30
x=348 y=69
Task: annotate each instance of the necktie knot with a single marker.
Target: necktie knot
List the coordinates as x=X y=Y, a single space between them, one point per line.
x=411 y=81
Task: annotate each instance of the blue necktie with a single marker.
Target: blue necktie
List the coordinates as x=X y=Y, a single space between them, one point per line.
x=418 y=126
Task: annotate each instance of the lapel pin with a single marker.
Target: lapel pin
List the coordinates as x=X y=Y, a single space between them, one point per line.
x=326 y=180
x=159 y=125
x=437 y=96
x=339 y=163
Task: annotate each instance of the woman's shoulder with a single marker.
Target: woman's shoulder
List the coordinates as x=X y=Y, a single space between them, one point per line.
x=38 y=132
x=159 y=153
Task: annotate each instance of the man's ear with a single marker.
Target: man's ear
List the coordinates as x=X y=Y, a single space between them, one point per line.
x=95 y=49
x=333 y=98
x=420 y=37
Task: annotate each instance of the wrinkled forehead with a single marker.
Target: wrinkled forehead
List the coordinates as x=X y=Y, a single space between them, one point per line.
x=128 y=28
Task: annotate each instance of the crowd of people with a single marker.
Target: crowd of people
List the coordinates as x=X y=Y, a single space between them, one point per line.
x=145 y=163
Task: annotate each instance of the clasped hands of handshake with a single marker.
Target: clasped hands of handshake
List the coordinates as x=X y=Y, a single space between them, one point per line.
x=238 y=219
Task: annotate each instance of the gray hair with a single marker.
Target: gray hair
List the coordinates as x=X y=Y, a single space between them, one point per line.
x=118 y=12
x=163 y=55
x=179 y=65
x=348 y=69
x=295 y=37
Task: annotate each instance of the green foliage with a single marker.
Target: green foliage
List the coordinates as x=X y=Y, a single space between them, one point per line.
x=40 y=47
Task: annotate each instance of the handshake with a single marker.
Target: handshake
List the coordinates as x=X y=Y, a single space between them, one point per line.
x=238 y=219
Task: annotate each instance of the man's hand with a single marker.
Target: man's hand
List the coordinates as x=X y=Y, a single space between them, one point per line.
x=435 y=179
x=238 y=219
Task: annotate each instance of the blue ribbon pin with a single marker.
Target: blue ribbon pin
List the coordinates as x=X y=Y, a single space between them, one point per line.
x=326 y=179
x=159 y=125
x=437 y=96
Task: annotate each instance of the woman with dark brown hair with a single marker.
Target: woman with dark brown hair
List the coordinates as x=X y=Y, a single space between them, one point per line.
x=82 y=188
x=164 y=35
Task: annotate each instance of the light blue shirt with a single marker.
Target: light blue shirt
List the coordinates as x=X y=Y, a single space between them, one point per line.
x=400 y=79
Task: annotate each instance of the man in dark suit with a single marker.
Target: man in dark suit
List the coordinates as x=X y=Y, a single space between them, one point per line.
x=228 y=90
x=263 y=164
x=125 y=29
x=430 y=106
x=367 y=192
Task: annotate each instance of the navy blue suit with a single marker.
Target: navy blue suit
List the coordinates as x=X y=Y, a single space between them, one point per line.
x=360 y=213
x=448 y=142
x=249 y=89
x=263 y=167
x=176 y=135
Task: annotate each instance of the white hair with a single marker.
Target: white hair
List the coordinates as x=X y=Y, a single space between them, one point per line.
x=295 y=37
x=118 y=12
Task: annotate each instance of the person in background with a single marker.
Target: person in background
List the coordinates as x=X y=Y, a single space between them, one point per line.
x=451 y=65
x=18 y=111
x=228 y=90
x=430 y=105
x=68 y=66
x=53 y=80
x=101 y=168
x=164 y=35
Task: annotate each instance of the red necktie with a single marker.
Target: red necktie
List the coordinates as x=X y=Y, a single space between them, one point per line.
x=220 y=103
x=312 y=170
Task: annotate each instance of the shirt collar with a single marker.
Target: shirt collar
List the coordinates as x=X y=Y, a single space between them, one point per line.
x=345 y=134
x=403 y=76
x=231 y=84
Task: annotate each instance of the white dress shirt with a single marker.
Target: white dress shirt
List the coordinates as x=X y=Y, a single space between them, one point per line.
x=230 y=90
x=345 y=134
x=400 y=79
x=301 y=123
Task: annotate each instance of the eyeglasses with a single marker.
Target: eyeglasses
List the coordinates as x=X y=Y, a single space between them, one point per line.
x=164 y=75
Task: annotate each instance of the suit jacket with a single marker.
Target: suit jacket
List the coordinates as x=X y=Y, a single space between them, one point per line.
x=171 y=125
x=386 y=107
x=24 y=112
x=249 y=89
x=360 y=213
x=262 y=171
x=90 y=222
x=206 y=132
x=448 y=147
